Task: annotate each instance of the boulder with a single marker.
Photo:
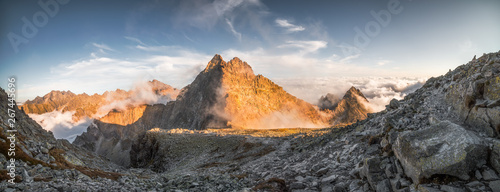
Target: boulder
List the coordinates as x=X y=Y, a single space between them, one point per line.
x=372 y=171
x=495 y=156
x=444 y=148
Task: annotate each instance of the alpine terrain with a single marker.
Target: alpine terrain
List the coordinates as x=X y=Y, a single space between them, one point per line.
x=232 y=130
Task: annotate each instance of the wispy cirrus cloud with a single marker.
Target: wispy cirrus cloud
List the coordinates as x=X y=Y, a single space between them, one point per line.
x=205 y=14
x=288 y=26
x=103 y=47
x=231 y=27
x=133 y=39
x=305 y=46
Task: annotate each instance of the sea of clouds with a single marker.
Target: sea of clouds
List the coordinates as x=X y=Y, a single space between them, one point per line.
x=378 y=90
x=62 y=124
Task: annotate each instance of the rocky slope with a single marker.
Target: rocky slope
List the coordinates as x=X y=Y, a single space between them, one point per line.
x=39 y=156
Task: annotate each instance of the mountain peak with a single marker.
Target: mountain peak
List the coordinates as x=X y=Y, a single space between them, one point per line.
x=216 y=61
x=234 y=66
x=353 y=92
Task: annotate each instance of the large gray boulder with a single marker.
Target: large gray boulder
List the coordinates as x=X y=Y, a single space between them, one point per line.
x=445 y=148
x=495 y=156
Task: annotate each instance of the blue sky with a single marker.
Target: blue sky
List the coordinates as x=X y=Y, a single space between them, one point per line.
x=94 y=46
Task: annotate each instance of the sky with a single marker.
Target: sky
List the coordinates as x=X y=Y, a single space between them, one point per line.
x=93 y=46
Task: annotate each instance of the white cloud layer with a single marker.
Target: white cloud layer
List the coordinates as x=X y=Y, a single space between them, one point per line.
x=288 y=26
x=378 y=90
x=61 y=124
x=305 y=46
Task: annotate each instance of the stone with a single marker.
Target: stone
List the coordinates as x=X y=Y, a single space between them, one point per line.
x=389 y=171
x=299 y=178
x=297 y=185
x=448 y=188
x=394 y=104
x=327 y=188
x=44 y=150
x=489 y=175
x=478 y=175
x=329 y=179
x=422 y=188
x=322 y=171
x=372 y=172
x=339 y=187
x=445 y=148
x=384 y=186
x=495 y=185
x=474 y=184
x=495 y=156
x=354 y=173
x=354 y=185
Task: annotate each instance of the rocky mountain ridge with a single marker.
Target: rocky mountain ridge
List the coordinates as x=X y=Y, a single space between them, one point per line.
x=96 y=105
x=223 y=95
x=351 y=108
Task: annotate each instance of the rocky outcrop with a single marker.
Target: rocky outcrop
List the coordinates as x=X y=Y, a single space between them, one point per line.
x=125 y=117
x=473 y=92
x=113 y=140
x=351 y=108
x=445 y=148
x=442 y=133
x=329 y=101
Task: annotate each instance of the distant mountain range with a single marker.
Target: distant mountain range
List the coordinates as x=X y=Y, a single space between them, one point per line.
x=97 y=106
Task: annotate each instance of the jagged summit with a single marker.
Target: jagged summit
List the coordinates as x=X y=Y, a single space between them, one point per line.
x=230 y=94
x=354 y=92
x=352 y=107
x=235 y=65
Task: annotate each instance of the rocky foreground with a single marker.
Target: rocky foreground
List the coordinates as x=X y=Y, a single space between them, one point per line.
x=443 y=137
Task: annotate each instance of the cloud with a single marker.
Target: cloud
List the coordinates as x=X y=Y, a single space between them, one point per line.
x=134 y=40
x=205 y=14
x=61 y=124
x=235 y=33
x=383 y=62
x=103 y=47
x=142 y=93
x=176 y=66
x=305 y=46
x=378 y=90
x=289 y=27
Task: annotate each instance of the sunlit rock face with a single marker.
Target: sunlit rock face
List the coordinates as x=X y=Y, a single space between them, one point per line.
x=351 y=108
x=97 y=106
x=125 y=117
